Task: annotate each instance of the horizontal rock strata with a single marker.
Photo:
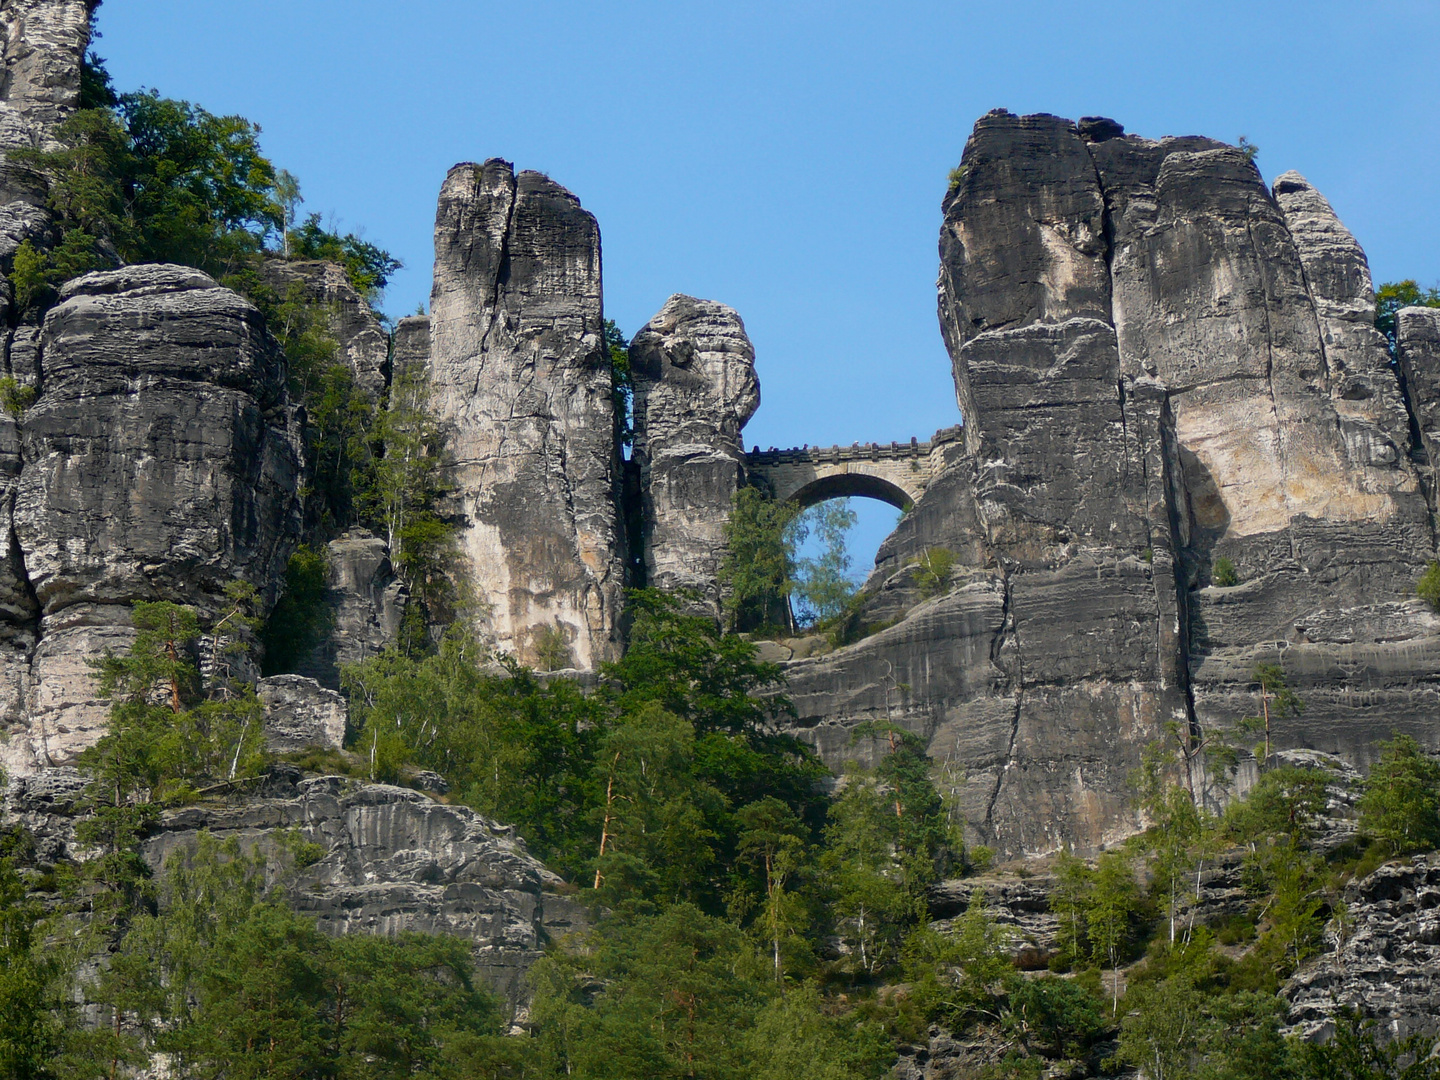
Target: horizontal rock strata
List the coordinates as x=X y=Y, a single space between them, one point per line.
x=160 y=462
x=1161 y=363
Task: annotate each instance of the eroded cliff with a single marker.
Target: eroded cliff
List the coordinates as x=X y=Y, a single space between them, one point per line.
x=1161 y=363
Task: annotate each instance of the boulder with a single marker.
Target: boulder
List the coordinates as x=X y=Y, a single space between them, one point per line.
x=392 y=860
x=300 y=714
x=521 y=383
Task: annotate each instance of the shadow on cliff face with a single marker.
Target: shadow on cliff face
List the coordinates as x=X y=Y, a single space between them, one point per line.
x=1209 y=521
x=1209 y=516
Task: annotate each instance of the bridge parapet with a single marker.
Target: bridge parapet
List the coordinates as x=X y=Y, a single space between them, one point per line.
x=897 y=473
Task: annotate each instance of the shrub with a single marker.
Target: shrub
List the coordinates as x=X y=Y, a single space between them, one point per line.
x=932 y=570
x=1224 y=574
x=1428 y=587
x=15 y=398
x=552 y=653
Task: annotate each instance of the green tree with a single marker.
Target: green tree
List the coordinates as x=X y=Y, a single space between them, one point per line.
x=757 y=570
x=794 y=1038
x=1358 y=1051
x=1394 y=295
x=367 y=267
x=1060 y=1015
x=404 y=492
x=822 y=590
x=1110 y=913
x=869 y=901
x=1401 y=804
x=30 y=1026
x=158 y=180
x=1428 y=587
x=678 y=990
x=772 y=841
x=1277 y=700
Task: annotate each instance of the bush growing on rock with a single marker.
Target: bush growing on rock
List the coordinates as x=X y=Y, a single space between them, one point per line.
x=1401 y=804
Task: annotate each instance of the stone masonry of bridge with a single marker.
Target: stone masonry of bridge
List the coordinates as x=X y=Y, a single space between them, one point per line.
x=896 y=473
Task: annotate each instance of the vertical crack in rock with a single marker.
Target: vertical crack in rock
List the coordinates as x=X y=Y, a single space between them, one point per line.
x=521 y=383
x=169 y=493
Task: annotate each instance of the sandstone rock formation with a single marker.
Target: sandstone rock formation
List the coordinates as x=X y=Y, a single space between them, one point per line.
x=367 y=602
x=393 y=860
x=410 y=347
x=521 y=380
x=695 y=387
x=364 y=346
x=1160 y=363
x=300 y=714
x=161 y=461
x=396 y=860
x=1386 y=961
x=43 y=42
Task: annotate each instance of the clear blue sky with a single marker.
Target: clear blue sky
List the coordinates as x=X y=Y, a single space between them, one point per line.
x=788 y=158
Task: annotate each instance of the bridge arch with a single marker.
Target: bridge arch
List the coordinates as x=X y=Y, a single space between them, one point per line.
x=897 y=473
x=851 y=484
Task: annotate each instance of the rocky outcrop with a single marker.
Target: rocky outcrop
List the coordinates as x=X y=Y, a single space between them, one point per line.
x=161 y=461
x=521 y=381
x=386 y=860
x=367 y=603
x=362 y=343
x=410 y=347
x=695 y=387
x=43 y=42
x=395 y=860
x=300 y=714
x=1383 y=958
x=1417 y=340
x=1160 y=362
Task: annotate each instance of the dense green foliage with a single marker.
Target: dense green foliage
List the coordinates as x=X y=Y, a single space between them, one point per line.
x=747 y=923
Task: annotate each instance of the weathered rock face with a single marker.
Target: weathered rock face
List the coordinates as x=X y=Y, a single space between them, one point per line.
x=410 y=347
x=1387 y=963
x=695 y=387
x=1159 y=363
x=1417 y=339
x=367 y=603
x=161 y=461
x=363 y=345
x=395 y=860
x=43 y=43
x=521 y=380
x=300 y=714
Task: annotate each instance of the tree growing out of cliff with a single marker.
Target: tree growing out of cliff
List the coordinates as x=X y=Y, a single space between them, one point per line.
x=405 y=487
x=1400 y=807
x=164 y=733
x=1277 y=701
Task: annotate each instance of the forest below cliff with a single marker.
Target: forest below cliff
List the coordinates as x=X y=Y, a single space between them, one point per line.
x=750 y=918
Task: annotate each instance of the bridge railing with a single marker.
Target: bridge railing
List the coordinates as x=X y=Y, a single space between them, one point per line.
x=819 y=455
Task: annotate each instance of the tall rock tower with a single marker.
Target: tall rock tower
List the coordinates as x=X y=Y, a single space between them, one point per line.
x=695 y=387
x=521 y=381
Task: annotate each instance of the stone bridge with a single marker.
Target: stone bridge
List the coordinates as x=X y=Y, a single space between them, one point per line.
x=896 y=473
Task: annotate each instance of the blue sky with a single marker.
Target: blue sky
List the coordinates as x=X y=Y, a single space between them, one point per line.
x=788 y=158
